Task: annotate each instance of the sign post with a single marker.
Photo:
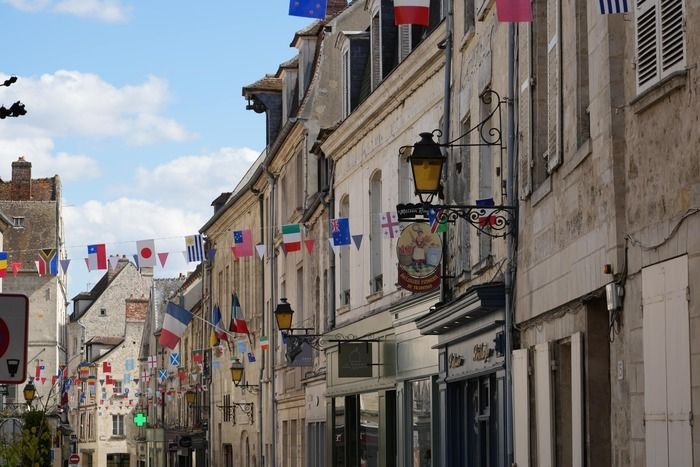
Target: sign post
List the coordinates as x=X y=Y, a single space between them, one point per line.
x=14 y=328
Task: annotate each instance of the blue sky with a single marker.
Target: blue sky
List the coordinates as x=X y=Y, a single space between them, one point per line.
x=137 y=106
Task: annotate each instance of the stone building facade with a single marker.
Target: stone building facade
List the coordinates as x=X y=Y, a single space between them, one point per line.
x=105 y=331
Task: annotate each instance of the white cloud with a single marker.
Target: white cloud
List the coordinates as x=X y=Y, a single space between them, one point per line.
x=194 y=181
x=71 y=103
x=46 y=163
x=110 y=11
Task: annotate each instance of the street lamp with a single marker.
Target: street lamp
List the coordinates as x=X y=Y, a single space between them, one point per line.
x=427 y=161
x=237 y=377
x=283 y=315
x=29 y=392
x=190 y=397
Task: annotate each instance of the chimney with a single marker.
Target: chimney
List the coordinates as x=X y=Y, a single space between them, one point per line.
x=21 y=180
x=333 y=7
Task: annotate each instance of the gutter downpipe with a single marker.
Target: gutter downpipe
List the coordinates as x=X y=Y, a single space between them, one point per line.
x=273 y=333
x=446 y=128
x=510 y=251
x=261 y=451
x=330 y=278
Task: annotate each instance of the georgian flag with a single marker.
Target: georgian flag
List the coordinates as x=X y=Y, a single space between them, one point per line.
x=146 y=250
x=412 y=12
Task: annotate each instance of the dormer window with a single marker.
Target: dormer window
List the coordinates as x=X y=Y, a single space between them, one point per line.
x=355 y=57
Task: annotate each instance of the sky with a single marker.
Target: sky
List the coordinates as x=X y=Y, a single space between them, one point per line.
x=137 y=106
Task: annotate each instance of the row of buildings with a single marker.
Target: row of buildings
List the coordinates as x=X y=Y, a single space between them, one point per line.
x=597 y=281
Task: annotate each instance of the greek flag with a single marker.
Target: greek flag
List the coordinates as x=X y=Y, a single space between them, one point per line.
x=608 y=7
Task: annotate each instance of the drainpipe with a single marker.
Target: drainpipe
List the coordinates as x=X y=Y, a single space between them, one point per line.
x=330 y=277
x=510 y=251
x=444 y=289
x=261 y=454
x=273 y=333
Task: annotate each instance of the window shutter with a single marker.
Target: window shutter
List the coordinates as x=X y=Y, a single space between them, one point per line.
x=667 y=402
x=404 y=41
x=647 y=44
x=543 y=405
x=521 y=409
x=525 y=111
x=376 y=51
x=672 y=32
x=554 y=97
x=577 y=434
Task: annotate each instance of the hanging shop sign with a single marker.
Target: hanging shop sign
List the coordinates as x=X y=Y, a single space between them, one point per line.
x=419 y=252
x=355 y=360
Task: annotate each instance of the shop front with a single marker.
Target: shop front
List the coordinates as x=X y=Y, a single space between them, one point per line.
x=471 y=382
x=361 y=388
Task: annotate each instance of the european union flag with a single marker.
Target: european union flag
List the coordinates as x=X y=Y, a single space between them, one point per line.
x=308 y=8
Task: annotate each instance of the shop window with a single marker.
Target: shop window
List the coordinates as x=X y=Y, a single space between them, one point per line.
x=315 y=445
x=420 y=435
x=369 y=430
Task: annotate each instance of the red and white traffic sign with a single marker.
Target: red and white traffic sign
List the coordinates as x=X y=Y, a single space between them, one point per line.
x=14 y=328
x=74 y=459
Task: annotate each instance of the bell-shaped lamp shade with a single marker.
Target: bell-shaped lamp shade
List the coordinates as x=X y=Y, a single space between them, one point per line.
x=190 y=397
x=29 y=392
x=283 y=315
x=426 y=162
x=236 y=372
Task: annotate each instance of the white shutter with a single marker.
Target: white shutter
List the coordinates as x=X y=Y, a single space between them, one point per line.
x=667 y=401
x=543 y=405
x=525 y=110
x=672 y=36
x=647 y=43
x=404 y=41
x=577 y=400
x=521 y=409
x=554 y=96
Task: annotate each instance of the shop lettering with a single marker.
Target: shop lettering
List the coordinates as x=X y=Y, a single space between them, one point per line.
x=455 y=360
x=481 y=352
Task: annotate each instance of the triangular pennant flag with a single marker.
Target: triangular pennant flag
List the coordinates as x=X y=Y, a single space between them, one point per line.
x=211 y=254
x=87 y=263
x=38 y=267
x=260 y=248
x=113 y=261
x=15 y=268
x=184 y=255
x=284 y=249
x=64 y=265
x=309 y=245
x=358 y=240
x=162 y=257
x=136 y=260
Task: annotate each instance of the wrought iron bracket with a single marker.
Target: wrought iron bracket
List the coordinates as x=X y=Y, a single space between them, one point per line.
x=245 y=387
x=494 y=221
x=230 y=410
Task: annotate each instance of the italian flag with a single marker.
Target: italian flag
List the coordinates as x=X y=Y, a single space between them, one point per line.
x=412 y=12
x=291 y=237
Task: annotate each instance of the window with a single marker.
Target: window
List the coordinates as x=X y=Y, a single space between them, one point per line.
x=18 y=222
x=117 y=460
x=118 y=425
x=117 y=387
x=468 y=16
x=485 y=181
x=356 y=77
x=301 y=310
x=103 y=311
x=347 y=108
x=315 y=444
x=660 y=40
x=420 y=434
x=459 y=193
x=299 y=195
x=375 y=236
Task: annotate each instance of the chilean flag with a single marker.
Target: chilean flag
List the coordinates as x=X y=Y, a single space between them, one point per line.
x=176 y=320
x=97 y=257
x=412 y=12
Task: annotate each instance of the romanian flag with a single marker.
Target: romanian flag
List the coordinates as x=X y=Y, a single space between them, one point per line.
x=3 y=263
x=217 y=332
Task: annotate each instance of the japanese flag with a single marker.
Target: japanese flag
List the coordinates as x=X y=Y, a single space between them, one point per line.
x=146 y=250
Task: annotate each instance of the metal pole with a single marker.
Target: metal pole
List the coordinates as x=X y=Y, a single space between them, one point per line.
x=510 y=252
x=261 y=452
x=273 y=332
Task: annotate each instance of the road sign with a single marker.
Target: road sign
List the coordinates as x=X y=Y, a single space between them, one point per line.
x=14 y=327
x=74 y=458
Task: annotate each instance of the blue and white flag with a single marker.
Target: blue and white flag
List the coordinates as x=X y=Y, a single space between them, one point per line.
x=175 y=359
x=340 y=230
x=162 y=374
x=608 y=7
x=195 y=249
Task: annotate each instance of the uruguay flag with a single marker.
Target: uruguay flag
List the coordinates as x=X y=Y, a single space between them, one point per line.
x=174 y=325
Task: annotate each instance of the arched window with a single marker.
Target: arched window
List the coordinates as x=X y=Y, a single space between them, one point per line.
x=344 y=257
x=375 y=236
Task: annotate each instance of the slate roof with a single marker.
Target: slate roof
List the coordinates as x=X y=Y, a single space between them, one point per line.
x=270 y=83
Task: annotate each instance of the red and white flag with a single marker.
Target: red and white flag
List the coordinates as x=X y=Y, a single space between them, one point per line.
x=97 y=257
x=412 y=12
x=146 y=249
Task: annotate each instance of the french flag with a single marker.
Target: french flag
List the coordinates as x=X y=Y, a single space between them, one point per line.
x=412 y=12
x=97 y=257
x=176 y=320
